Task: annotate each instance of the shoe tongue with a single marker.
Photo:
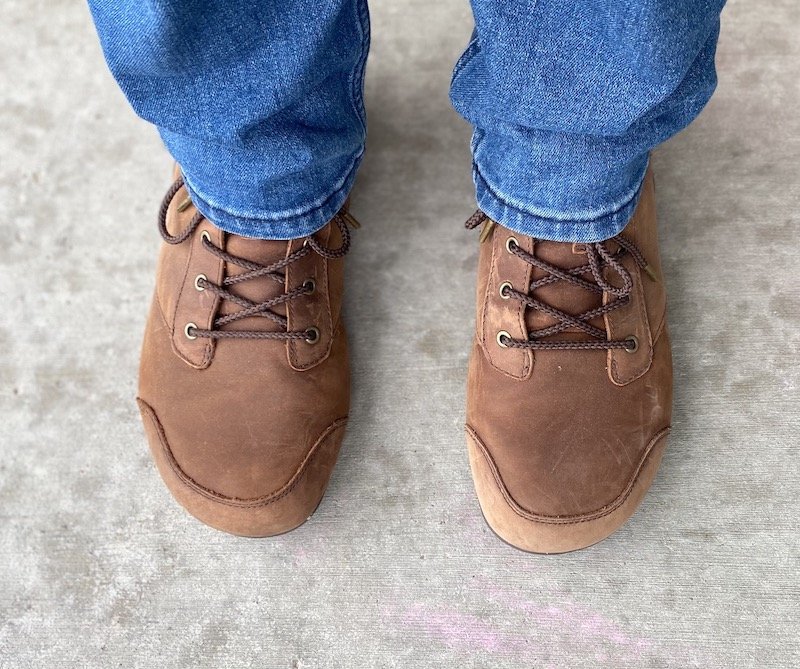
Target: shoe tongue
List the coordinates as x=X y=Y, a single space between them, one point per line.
x=262 y=251
x=259 y=289
x=562 y=295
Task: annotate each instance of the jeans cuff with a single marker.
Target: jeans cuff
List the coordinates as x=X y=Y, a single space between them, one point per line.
x=269 y=226
x=562 y=229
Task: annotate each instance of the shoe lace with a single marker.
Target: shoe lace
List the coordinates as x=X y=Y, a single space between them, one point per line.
x=598 y=257
x=253 y=270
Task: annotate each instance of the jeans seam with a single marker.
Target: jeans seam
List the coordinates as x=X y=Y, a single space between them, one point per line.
x=502 y=199
x=465 y=58
x=277 y=216
x=357 y=75
x=280 y=226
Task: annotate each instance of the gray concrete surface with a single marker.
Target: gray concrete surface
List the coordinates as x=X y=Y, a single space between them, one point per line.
x=99 y=568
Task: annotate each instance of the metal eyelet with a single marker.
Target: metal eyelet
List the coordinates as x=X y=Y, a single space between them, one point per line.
x=197 y=279
x=309 y=285
x=190 y=326
x=501 y=336
x=312 y=335
x=509 y=241
x=634 y=344
x=205 y=235
x=503 y=286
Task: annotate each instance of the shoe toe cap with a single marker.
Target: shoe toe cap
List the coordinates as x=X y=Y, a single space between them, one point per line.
x=254 y=486
x=558 y=509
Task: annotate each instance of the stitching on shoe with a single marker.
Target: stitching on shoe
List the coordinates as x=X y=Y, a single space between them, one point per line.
x=482 y=339
x=161 y=313
x=209 y=350
x=521 y=309
x=293 y=356
x=659 y=330
x=651 y=344
x=214 y=496
x=565 y=520
x=180 y=292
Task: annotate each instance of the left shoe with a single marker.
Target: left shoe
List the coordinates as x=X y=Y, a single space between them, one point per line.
x=569 y=395
x=244 y=383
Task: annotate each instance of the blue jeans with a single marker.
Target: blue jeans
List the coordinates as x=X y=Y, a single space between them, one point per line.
x=261 y=103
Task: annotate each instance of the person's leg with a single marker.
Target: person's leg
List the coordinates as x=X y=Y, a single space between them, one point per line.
x=244 y=374
x=567 y=99
x=570 y=382
x=259 y=102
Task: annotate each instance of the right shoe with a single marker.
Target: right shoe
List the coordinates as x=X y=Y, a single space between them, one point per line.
x=244 y=383
x=569 y=397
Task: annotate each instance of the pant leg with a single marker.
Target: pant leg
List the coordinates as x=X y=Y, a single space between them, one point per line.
x=259 y=101
x=568 y=98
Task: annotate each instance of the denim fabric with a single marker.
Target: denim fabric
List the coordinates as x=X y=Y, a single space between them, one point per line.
x=261 y=102
x=567 y=100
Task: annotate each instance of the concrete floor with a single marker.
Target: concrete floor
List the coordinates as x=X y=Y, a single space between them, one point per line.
x=98 y=566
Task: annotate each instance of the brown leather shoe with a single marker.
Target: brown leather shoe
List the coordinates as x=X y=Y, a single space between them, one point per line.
x=244 y=380
x=569 y=396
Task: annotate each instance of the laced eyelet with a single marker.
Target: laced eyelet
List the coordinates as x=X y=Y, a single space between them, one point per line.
x=309 y=285
x=503 y=286
x=633 y=344
x=205 y=235
x=509 y=242
x=312 y=335
x=501 y=336
x=198 y=279
x=187 y=331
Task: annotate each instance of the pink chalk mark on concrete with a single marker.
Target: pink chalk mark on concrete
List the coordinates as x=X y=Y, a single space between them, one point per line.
x=517 y=627
x=584 y=624
x=461 y=631
x=576 y=626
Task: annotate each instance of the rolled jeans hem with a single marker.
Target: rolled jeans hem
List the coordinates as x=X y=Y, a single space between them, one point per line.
x=561 y=229
x=300 y=222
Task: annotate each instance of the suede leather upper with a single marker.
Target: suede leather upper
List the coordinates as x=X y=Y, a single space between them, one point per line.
x=240 y=416
x=569 y=430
